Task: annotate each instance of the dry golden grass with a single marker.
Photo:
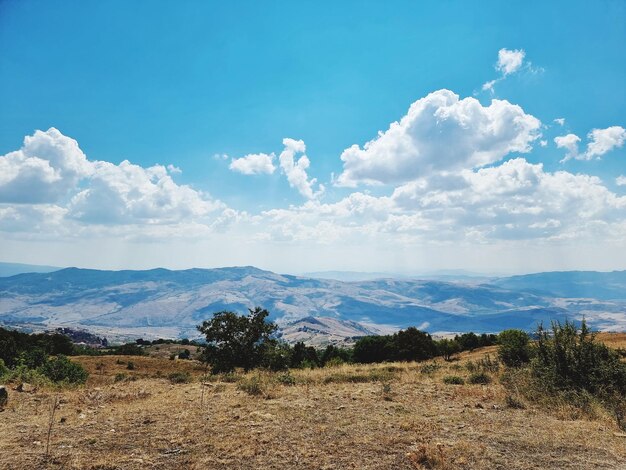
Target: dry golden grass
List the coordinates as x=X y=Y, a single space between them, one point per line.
x=384 y=416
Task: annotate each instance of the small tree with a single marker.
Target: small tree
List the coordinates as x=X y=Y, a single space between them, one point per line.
x=514 y=348
x=236 y=340
x=448 y=348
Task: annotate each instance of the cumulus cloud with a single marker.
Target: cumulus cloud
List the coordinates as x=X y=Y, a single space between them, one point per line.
x=510 y=61
x=560 y=121
x=515 y=200
x=620 y=180
x=52 y=177
x=44 y=170
x=440 y=133
x=568 y=142
x=600 y=142
x=296 y=170
x=128 y=193
x=254 y=164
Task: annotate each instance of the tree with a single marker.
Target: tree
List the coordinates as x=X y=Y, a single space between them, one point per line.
x=514 y=348
x=412 y=345
x=373 y=349
x=236 y=340
x=448 y=348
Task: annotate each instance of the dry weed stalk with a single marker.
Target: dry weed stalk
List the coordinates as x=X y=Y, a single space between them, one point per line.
x=54 y=406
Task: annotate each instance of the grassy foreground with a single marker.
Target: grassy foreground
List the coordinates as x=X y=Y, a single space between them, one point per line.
x=385 y=416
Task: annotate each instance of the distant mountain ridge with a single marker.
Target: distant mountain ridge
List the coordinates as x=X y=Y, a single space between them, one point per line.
x=11 y=269
x=165 y=303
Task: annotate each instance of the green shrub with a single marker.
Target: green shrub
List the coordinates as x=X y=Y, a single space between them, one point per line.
x=229 y=377
x=430 y=368
x=4 y=370
x=286 y=379
x=119 y=377
x=130 y=365
x=252 y=385
x=453 y=380
x=569 y=358
x=22 y=374
x=479 y=378
x=61 y=369
x=514 y=348
x=179 y=377
x=334 y=362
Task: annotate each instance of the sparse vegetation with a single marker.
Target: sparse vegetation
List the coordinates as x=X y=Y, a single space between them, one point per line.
x=392 y=415
x=453 y=380
x=179 y=377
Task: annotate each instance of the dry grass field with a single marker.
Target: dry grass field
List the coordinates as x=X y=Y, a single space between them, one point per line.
x=387 y=416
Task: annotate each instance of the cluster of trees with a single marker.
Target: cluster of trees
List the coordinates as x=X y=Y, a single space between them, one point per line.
x=43 y=354
x=247 y=341
x=31 y=349
x=415 y=345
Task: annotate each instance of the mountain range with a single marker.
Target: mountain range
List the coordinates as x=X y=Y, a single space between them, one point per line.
x=164 y=303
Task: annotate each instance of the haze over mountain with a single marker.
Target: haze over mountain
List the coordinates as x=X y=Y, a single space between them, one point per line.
x=164 y=303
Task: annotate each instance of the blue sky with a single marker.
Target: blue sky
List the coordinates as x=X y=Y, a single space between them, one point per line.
x=181 y=83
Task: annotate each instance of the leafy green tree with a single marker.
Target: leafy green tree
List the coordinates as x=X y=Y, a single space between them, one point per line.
x=514 y=348
x=468 y=341
x=412 y=345
x=448 y=348
x=373 y=349
x=236 y=340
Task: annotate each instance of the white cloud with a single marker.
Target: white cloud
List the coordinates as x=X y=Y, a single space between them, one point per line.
x=50 y=175
x=254 y=164
x=295 y=170
x=440 y=133
x=543 y=143
x=45 y=169
x=516 y=200
x=560 y=121
x=620 y=180
x=600 y=141
x=510 y=61
x=128 y=193
x=173 y=170
x=570 y=143
x=488 y=86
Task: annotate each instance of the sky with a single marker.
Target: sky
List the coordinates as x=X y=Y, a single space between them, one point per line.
x=306 y=136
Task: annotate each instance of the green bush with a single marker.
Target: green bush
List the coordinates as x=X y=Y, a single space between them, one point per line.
x=120 y=377
x=453 y=380
x=479 y=378
x=286 y=379
x=22 y=374
x=514 y=348
x=61 y=369
x=4 y=370
x=252 y=385
x=569 y=358
x=130 y=365
x=430 y=368
x=179 y=377
x=334 y=362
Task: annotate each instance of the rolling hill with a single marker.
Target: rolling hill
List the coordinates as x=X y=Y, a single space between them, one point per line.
x=165 y=303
